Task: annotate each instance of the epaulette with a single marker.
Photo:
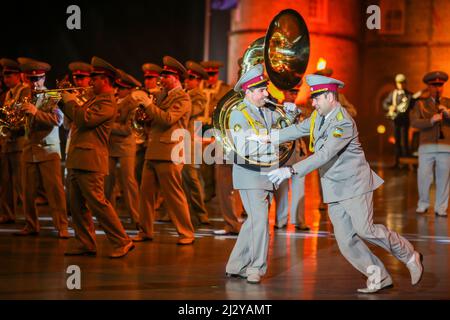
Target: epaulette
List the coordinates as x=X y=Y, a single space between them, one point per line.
x=242 y=106
x=339 y=116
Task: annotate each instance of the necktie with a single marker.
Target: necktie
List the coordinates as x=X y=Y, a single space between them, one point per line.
x=262 y=115
x=321 y=123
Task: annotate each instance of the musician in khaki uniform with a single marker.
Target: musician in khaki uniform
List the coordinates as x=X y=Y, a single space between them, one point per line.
x=214 y=89
x=432 y=117
x=88 y=161
x=191 y=170
x=122 y=147
x=81 y=77
x=12 y=166
x=348 y=184
x=152 y=74
x=296 y=184
x=42 y=154
x=163 y=165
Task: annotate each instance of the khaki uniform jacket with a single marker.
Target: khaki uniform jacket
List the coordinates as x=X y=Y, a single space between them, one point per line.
x=214 y=94
x=429 y=133
x=89 y=143
x=43 y=142
x=122 y=142
x=170 y=115
x=343 y=169
x=198 y=100
x=15 y=139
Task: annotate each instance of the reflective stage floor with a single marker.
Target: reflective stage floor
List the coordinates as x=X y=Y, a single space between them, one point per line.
x=301 y=265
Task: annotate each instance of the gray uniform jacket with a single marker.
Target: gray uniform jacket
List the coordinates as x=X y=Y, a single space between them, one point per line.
x=241 y=128
x=42 y=143
x=343 y=169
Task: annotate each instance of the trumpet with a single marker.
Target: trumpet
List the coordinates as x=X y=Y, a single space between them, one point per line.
x=61 y=90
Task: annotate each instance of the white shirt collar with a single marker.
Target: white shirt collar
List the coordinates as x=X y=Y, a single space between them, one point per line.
x=329 y=113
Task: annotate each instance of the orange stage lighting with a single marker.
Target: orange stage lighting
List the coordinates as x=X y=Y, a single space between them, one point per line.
x=321 y=64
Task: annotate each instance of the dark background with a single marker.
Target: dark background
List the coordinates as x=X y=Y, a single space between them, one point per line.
x=124 y=33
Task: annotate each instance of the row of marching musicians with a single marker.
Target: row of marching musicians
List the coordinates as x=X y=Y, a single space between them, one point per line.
x=100 y=120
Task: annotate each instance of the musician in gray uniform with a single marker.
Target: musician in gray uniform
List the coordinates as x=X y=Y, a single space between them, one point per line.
x=249 y=256
x=397 y=106
x=348 y=184
x=42 y=154
x=432 y=117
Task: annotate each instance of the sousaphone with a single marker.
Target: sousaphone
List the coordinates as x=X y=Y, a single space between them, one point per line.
x=285 y=53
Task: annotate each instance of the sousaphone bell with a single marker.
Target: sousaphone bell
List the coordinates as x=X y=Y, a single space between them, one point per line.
x=285 y=53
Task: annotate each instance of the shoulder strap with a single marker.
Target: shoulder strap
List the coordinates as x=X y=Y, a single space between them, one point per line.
x=242 y=108
x=311 y=131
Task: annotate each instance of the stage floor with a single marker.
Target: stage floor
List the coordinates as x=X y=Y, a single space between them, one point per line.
x=301 y=265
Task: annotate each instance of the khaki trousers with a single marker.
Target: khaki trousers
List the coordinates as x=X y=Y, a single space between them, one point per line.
x=11 y=184
x=87 y=190
x=44 y=176
x=129 y=185
x=165 y=177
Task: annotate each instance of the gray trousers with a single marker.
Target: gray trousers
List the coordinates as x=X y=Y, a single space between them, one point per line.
x=297 y=207
x=249 y=255
x=441 y=163
x=352 y=220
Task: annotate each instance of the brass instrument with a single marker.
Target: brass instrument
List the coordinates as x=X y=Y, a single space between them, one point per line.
x=402 y=107
x=394 y=110
x=61 y=90
x=285 y=53
x=140 y=116
x=12 y=116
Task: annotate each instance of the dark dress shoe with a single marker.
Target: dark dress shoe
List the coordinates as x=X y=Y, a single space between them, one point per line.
x=6 y=220
x=80 y=252
x=141 y=238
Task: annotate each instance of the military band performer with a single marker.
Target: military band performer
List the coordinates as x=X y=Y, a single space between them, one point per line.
x=392 y=103
x=122 y=147
x=191 y=170
x=88 y=161
x=162 y=170
x=11 y=191
x=214 y=89
x=432 y=117
x=347 y=182
x=42 y=154
x=249 y=256
x=297 y=184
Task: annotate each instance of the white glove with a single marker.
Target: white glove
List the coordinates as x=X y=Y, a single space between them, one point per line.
x=259 y=138
x=291 y=108
x=68 y=96
x=141 y=97
x=277 y=176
